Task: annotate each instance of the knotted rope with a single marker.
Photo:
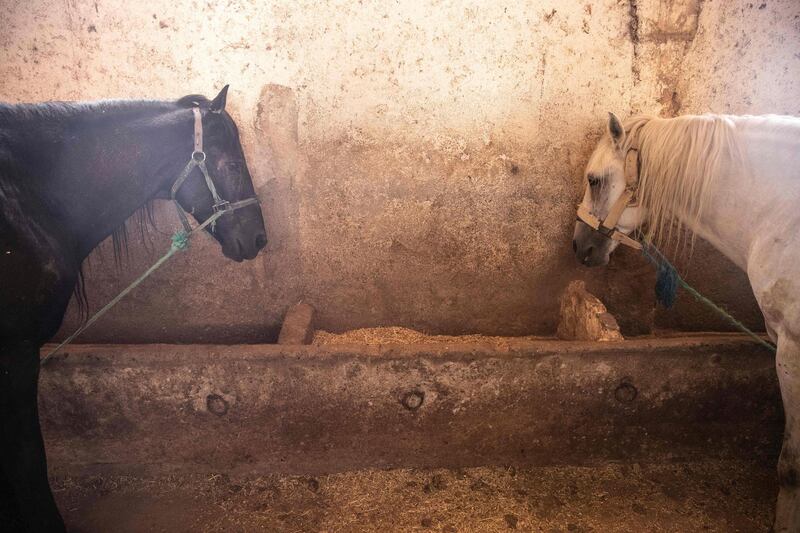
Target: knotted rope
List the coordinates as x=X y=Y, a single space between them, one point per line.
x=180 y=242
x=668 y=281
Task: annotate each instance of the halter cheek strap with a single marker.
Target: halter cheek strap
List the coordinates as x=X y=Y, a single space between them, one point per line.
x=198 y=159
x=608 y=225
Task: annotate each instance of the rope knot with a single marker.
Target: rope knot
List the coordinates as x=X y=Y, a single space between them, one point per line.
x=667 y=278
x=180 y=240
x=668 y=281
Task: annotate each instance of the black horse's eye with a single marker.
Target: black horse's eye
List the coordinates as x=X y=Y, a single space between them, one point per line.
x=234 y=166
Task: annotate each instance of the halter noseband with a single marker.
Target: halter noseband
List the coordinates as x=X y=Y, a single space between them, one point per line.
x=198 y=159
x=608 y=225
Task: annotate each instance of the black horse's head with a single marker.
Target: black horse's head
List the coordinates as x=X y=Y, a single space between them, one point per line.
x=241 y=231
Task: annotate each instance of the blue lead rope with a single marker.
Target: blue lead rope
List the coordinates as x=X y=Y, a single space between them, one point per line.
x=668 y=281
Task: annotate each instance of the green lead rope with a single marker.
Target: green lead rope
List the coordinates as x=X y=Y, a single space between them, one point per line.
x=669 y=280
x=180 y=242
x=666 y=285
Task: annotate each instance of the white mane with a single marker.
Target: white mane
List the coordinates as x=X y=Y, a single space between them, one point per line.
x=680 y=158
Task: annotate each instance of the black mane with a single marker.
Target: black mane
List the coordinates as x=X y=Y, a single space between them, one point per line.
x=48 y=120
x=191 y=100
x=57 y=110
x=63 y=109
x=32 y=115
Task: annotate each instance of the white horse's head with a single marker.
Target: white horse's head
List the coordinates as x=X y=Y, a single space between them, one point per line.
x=603 y=202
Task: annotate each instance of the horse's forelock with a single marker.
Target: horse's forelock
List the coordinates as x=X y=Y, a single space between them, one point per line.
x=191 y=100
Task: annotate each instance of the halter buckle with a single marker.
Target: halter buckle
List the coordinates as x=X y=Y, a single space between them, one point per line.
x=605 y=230
x=222 y=205
x=198 y=156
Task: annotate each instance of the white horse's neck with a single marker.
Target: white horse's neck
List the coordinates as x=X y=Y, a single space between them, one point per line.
x=746 y=203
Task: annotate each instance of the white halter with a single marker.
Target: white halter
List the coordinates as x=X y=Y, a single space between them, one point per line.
x=608 y=225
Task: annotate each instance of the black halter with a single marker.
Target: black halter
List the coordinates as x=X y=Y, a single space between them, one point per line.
x=198 y=159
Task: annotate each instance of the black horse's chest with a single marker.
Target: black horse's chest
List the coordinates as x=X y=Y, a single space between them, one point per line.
x=37 y=280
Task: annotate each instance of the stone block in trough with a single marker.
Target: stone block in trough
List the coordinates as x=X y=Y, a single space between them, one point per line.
x=583 y=316
x=298 y=325
x=315 y=409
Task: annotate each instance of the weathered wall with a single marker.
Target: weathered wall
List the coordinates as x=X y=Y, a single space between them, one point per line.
x=418 y=162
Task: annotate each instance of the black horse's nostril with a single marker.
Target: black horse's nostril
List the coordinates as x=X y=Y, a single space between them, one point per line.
x=574 y=245
x=261 y=241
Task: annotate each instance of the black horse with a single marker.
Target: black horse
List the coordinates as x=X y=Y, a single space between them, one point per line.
x=70 y=175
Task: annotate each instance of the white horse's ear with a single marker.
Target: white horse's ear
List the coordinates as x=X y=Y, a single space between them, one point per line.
x=615 y=129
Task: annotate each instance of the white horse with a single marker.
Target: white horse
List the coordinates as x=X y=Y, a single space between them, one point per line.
x=734 y=181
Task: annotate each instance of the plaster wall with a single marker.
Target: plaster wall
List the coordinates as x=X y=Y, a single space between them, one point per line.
x=418 y=162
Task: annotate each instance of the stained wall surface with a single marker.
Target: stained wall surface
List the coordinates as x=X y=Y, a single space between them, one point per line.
x=418 y=162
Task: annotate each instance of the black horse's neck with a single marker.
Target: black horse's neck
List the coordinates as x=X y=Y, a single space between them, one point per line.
x=94 y=165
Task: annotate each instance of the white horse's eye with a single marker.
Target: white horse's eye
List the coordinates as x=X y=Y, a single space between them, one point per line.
x=594 y=180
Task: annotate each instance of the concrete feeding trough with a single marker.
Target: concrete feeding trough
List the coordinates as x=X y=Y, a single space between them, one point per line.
x=441 y=402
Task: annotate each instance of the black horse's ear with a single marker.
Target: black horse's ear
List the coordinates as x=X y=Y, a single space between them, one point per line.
x=615 y=129
x=218 y=103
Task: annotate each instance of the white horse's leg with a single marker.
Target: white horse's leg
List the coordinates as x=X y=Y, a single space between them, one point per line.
x=787 y=514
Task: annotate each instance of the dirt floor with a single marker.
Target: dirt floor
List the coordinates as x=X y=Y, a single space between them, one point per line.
x=708 y=496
